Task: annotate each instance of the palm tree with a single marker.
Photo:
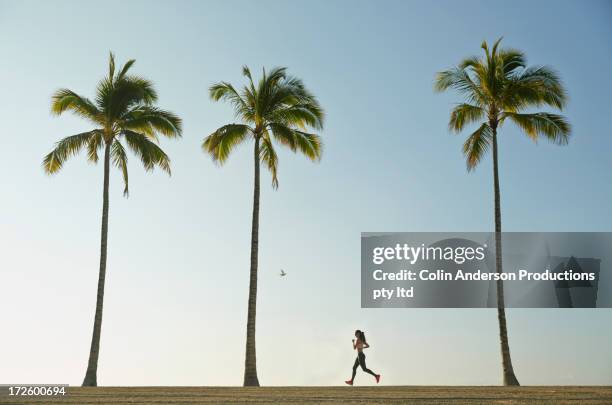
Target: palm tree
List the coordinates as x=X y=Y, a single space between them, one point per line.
x=500 y=87
x=279 y=108
x=123 y=110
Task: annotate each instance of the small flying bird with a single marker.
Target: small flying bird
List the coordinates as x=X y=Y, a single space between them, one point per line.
x=282 y=273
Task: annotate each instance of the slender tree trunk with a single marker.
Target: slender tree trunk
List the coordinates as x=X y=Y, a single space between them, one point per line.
x=92 y=367
x=250 y=363
x=509 y=377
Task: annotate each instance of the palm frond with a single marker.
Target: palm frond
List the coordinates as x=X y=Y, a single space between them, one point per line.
x=553 y=127
x=300 y=115
x=94 y=145
x=66 y=100
x=512 y=60
x=111 y=66
x=125 y=69
x=151 y=120
x=104 y=94
x=284 y=135
x=149 y=153
x=458 y=79
x=535 y=86
x=115 y=97
x=136 y=90
x=65 y=149
x=276 y=75
x=268 y=86
x=464 y=114
x=225 y=91
x=268 y=156
x=128 y=92
x=220 y=144
x=477 y=145
x=247 y=73
x=471 y=62
x=119 y=159
x=309 y=144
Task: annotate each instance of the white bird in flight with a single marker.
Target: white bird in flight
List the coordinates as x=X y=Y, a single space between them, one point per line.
x=282 y=273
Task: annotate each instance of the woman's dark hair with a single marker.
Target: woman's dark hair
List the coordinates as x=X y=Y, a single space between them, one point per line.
x=360 y=335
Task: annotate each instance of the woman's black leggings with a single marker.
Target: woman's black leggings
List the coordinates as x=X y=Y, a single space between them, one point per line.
x=360 y=361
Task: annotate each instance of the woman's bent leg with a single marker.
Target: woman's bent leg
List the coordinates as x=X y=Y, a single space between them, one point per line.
x=361 y=359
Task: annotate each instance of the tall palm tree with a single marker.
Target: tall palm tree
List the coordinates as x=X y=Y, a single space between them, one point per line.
x=123 y=110
x=279 y=108
x=496 y=88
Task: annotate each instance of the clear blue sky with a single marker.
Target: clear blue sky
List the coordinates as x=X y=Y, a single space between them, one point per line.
x=175 y=309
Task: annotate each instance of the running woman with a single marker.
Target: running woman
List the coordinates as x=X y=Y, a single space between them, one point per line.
x=359 y=345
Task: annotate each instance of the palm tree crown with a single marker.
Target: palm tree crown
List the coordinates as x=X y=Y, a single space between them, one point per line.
x=278 y=108
x=123 y=110
x=500 y=86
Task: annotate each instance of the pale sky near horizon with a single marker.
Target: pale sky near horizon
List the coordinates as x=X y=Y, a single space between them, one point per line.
x=177 y=276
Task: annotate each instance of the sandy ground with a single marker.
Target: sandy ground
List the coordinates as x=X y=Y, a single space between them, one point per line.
x=327 y=395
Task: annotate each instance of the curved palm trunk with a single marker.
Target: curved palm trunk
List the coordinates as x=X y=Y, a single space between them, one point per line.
x=92 y=367
x=250 y=363
x=509 y=377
